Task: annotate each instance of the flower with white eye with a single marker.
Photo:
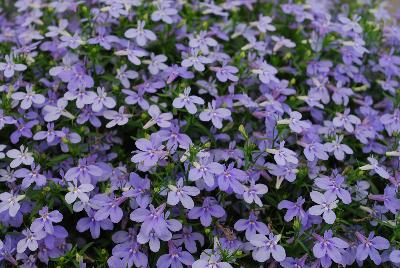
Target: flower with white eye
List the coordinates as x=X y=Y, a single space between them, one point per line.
x=28 y=98
x=23 y=156
x=2 y=147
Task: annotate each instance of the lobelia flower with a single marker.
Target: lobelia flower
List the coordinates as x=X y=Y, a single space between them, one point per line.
x=188 y=101
x=202 y=41
x=283 y=156
x=150 y=151
x=158 y=118
x=294 y=122
x=210 y=259
x=140 y=34
x=101 y=100
x=52 y=113
x=225 y=73
x=267 y=246
x=314 y=150
x=389 y=199
x=119 y=118
x=334 y=186
x=108 y=207
x=346 y=120
x=231 y=179
x=78 y=79
x=282 y=42
x=216 y=115
x=124 y=75
x=174 y=138
x=206 y=170
x=338 y=149
x=9 y=67
x=164 y=12
x=175 y=258
x=195 y=60
x=23 y=130
x=175 y=71
x=252 y=192
x=138 y=98
x=328 y=248
x=90 y=223
x=208 y=209
x=251 y=226
x=23 y=156
x=152 y=220
x=395 y=256
x=139 y=189
x=373 y=165
x=45 y=222
x=133 y=54
x=188 y=238
x=326 y=203
x=369 y=246
x=294 y=209
x=156 y=63
x=30 y=241
x=80 y=191
x=30 y=176
x=84 y=172
x=28 y=98
x=391 y=121
x=266 y=73
x=49 y=135
x=9 y=201
x=181 y=193
x=5 y=119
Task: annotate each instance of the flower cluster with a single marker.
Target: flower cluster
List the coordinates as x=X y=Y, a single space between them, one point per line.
x=170 y=133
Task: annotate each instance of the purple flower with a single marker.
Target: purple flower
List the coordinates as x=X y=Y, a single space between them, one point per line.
x=124 y=75
x=31 y=176
x=9 y=201
x=208 y=209
x=346 y=120
x=391 y=121
x=210 y=259
x=334 y=186
x=164 y=12
x=294 y=210
x=139 y=189
x=151 y=151
x=180 y=193
x=188 y=238
x=90 y=223
x=338 y=148
x=140 y=34
x=30 y=241
x=108 y=207
x=101 y=100
x=216 y=115
x=373 y=165
x=156 y=63
x=389 y=199
x=158 y=118
x=283 y=156
x=294 y=122
x=196 y=61
x=226 y=73
x=50 y=135
x=80 y=191
x=329 y=247
x=84 y=172
x=45 y=222
x=369 y=246
x=188 y=101
x=395 y=256
x=52 y=113
x=9 y=67
x=266 y=73
x=23 y=156
x=314 y=150
x=265 y=246
x=175 y=258
x=5 y=119
x=23 y=130
x=251 y=226
x=326 y=203
x=206 y=170
x=119 y=118
x=202 y=41
x=231 y=179
x=253 y=192
x=28 y=98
